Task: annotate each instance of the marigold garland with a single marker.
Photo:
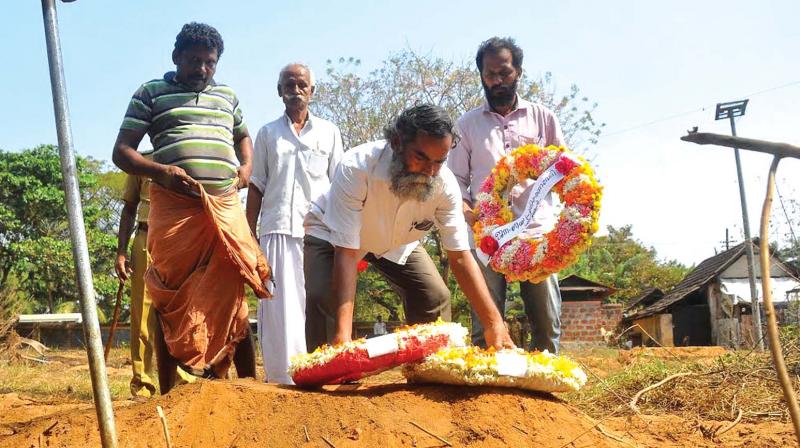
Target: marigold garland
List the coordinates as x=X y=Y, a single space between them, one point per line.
x=473 y=366
x=534 y=259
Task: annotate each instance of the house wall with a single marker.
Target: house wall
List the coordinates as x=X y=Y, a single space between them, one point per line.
x=736 y=279
x=581 y=321
x=657 y=326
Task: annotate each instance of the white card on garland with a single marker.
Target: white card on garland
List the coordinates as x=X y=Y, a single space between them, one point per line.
x=511 y=364
x=382 y=345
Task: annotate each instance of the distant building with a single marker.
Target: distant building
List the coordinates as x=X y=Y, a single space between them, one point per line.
x=712 y=304
x=585 y=312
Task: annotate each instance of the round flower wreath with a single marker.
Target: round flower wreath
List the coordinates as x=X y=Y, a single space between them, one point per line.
x=534 y=259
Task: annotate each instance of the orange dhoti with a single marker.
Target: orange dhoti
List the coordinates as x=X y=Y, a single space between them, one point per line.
x=202 y=255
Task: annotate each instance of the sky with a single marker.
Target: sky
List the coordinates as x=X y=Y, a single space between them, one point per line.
x=655 y=69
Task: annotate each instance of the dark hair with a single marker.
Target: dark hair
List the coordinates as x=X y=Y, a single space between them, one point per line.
x=199 y=34
x=494 y=46
x=428 y=119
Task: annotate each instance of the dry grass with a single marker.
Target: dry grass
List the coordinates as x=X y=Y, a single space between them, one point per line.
x=719 y=388
x=65 y=376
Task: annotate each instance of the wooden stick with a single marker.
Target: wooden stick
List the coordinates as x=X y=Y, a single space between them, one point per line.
x=708 y=138
x=611 y=436
x=431 y=434
x=520 y=429
x=635 y=398
x=328 y=442
x=164 y=425
x=769 y=308
x=305 y=430
x=114 y=321
x=729 y=427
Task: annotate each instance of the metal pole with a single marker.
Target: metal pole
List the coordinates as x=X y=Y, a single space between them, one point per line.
x=748 y=248
x=80 y=252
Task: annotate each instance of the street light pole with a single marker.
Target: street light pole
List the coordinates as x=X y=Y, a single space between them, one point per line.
x=80 y=252
x=730 y=111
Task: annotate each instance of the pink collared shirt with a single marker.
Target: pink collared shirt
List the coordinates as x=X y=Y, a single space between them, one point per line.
x=487 y=136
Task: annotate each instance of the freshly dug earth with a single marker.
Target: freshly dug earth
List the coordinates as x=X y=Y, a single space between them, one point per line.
x=250 y=414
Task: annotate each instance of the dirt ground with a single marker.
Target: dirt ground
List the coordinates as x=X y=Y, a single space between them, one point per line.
x=382 y=411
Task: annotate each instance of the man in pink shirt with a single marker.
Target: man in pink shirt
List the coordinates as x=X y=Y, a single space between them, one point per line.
x=489 y=132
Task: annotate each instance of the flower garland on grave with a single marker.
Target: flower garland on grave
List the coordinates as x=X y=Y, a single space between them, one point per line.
x=473 y=366
x=356 y=359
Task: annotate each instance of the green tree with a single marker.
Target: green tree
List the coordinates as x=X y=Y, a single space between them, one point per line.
x=362 y=105
x=621 y=261
x=34 y=235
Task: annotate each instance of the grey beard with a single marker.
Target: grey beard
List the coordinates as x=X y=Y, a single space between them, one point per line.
x=413 y=186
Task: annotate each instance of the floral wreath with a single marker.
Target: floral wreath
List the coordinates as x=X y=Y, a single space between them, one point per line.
x=356 y=359
x=474 y=366
x=534 y=259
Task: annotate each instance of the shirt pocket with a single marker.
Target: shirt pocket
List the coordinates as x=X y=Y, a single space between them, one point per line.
x=316 y=163
x=531 y=140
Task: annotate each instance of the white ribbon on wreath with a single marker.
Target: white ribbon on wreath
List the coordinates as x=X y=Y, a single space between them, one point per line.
x=541 y=186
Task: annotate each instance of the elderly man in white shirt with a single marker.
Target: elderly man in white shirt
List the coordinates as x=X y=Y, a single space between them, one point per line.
x=385 y=196
x=295 y=157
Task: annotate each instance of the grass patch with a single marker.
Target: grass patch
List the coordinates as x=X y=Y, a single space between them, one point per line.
x=65 y=377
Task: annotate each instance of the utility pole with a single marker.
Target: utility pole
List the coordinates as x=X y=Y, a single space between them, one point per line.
x=77 y=230
x=730 y=111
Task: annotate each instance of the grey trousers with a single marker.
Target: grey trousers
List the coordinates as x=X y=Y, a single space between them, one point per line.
x=424 y=294
x=542 y=306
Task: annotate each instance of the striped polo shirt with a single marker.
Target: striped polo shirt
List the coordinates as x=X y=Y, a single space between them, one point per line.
x=193 y=130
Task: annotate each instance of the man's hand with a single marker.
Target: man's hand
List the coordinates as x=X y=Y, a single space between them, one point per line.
x=497 y=336
x=244 y=172
x=122 y=267
x=341 y=337
x=175 y=178
x=469 y=215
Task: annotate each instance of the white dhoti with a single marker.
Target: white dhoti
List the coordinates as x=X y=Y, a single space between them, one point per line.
x=281 y=320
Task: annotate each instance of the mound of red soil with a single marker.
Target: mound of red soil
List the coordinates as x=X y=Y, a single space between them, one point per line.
x=250 y=414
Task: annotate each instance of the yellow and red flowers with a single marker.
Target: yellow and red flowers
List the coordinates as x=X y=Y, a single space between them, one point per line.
x=353 y=360
x=534 y=259
x=473 y=366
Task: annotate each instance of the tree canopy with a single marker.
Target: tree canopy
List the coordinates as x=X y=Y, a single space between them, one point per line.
x=36 y=262
x=361 y=105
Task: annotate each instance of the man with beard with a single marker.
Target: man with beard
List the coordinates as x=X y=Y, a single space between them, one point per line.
x=385 y=196
x=201 y=248
x=489 y=132
x=295 y=157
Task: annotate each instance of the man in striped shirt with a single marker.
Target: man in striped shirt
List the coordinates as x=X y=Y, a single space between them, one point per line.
x=201 y=247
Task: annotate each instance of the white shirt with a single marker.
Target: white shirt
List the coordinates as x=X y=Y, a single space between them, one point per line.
x=361 y=212
x=379 y=328
x=291 y=170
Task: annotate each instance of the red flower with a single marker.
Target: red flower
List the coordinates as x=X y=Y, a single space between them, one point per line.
x=564 y=165
x=489 y=245
x=362 y=266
